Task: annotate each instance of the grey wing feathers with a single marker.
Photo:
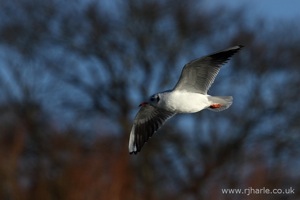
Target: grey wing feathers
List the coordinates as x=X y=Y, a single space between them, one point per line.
x=148 y=120
x=199 y=74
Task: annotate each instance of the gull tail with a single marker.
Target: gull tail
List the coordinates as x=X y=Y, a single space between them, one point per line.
x=219 y=103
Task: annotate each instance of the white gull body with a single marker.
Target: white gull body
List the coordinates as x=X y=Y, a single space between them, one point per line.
x=180 y=102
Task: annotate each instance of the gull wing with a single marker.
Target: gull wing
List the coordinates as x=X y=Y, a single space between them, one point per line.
x=199 y=74
x=147 y=121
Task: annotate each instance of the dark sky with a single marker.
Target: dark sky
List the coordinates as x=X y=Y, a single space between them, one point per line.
x=268 y=9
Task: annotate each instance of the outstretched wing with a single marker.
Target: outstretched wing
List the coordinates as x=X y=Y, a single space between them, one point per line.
x=198 y=75
x=147 y=121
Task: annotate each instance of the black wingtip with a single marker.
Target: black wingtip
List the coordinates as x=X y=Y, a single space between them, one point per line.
x=222 y=56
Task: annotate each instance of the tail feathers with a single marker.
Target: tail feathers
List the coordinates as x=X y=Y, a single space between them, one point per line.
x=220 y=103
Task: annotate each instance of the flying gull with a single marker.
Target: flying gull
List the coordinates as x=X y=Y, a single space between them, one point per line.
x=188 y=96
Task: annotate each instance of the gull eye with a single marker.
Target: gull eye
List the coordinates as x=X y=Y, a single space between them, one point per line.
x=157 y=98
x=154 y=98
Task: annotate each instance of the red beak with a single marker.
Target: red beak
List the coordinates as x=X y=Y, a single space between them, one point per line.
x=143 y=104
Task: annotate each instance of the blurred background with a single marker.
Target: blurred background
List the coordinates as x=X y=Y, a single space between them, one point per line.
x=72 y=74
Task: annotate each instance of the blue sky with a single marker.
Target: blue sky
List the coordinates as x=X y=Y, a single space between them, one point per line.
x=268 y=9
